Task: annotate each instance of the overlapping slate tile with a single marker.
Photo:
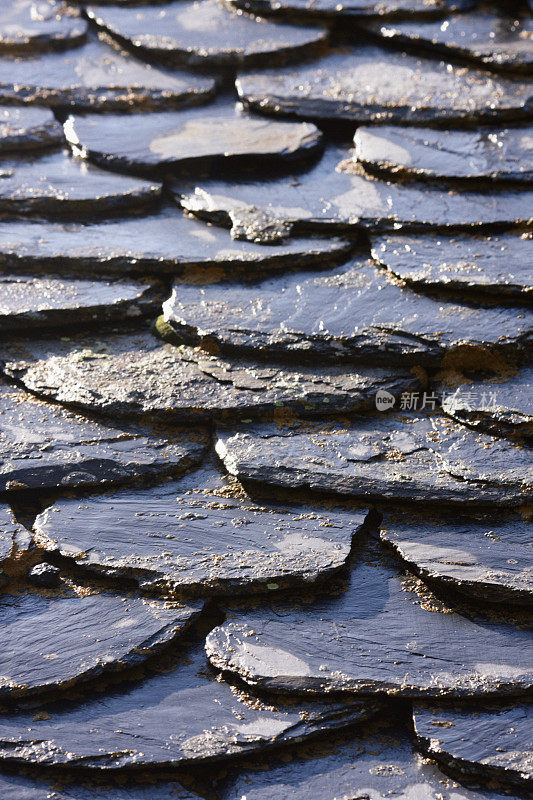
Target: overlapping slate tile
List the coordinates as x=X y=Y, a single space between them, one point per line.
x=201 y=535
x=480 y=742
x=501 y=38
x=136 y=375
x=159 y=243
x=57 y=184
x=97 y=76
x=351 y=312
x=43 y=446
x=384 y=634
x=487 y=557
x=26 y=787
x=337 y=195
x=14 y=539
x=207 y=34
x=53 y=643
x=198 y=140
x=369 y=84
x=328 y=9
x=498 y=265
x=504 y=154
x=180 y=716
x=28 y=129
x=386 y=456
x=41 y=302
x=28 y=26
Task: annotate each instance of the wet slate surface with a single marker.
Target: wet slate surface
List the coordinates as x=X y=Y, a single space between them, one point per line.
x=504 y=154
x=159 y=243
x=105 y=376
x=351 y=312
x=180 y=716
x=202 y=535
x=498 y=39
x=43 y=446
x=53 y=643
x=27 y=26
x=28 y=129
x=356 y=86
x=389 y=457
x=24 y=787
x=479 y=742
x=378 y=636
x=467 y=266
x=486 y=557
x=207 y=34
x=97 y=76
x=14 y=540
x=57 y=184
x=41 y=302
x=327 y=9
x=337 y=195
x=197 y=140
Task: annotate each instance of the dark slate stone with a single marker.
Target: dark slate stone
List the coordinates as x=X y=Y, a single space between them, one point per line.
x=180 y=716
x=480 y=742
x=356 y=86
x=52 y=643
x=44 y=447
x=387 y=457
x=22 y=787
x=501 y=405
x=28 y=129
x=28 y=26
x=484 y=557
x=136 y=375
x=164 y=242
x=14 y=541
x=337 y=195
x=207 y=34
x=353 y=312
x=42 y=302
x=197 y=140
x=330 y=9
x=202 y=535
x=97 y=76
x=497 y=265
x=45 y=575
x=56 y=184
x=498 y=39
x=385 y=634
x=504 y=154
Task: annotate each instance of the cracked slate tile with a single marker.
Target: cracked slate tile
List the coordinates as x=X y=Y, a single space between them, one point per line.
x=337 y=195
x=330 y=9
x=136 y=375
x=98 y=76
x=37 y=302
x=28 y=128
x=14 y=540
x=385 y=633
x=202 y=535
x=181 y=716
x=164 y=242
x=207 y=34
x=500 y=39
x=199 y=140
x=387 y=457
x=27 y=26
x=484 y=557
x=42 y=446
x=482 y=742
x=355 y=312
x=57 y=184
x=53 y=643
x=34 y=787
x=356 y=85
x=498 y=266
x=501 y=154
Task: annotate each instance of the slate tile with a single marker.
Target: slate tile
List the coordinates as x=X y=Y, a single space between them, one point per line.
x=28 y=128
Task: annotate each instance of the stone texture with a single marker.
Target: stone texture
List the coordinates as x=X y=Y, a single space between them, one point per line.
x=207 y=34
x=356 y=86
x=330 y=9
x=28 y=129
x=22 y=787
x=44 y=447
x=504 y=154
x=467 y=266
x=14 y=540
x=27 y=26
x=425 y=459
x=354 y=312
